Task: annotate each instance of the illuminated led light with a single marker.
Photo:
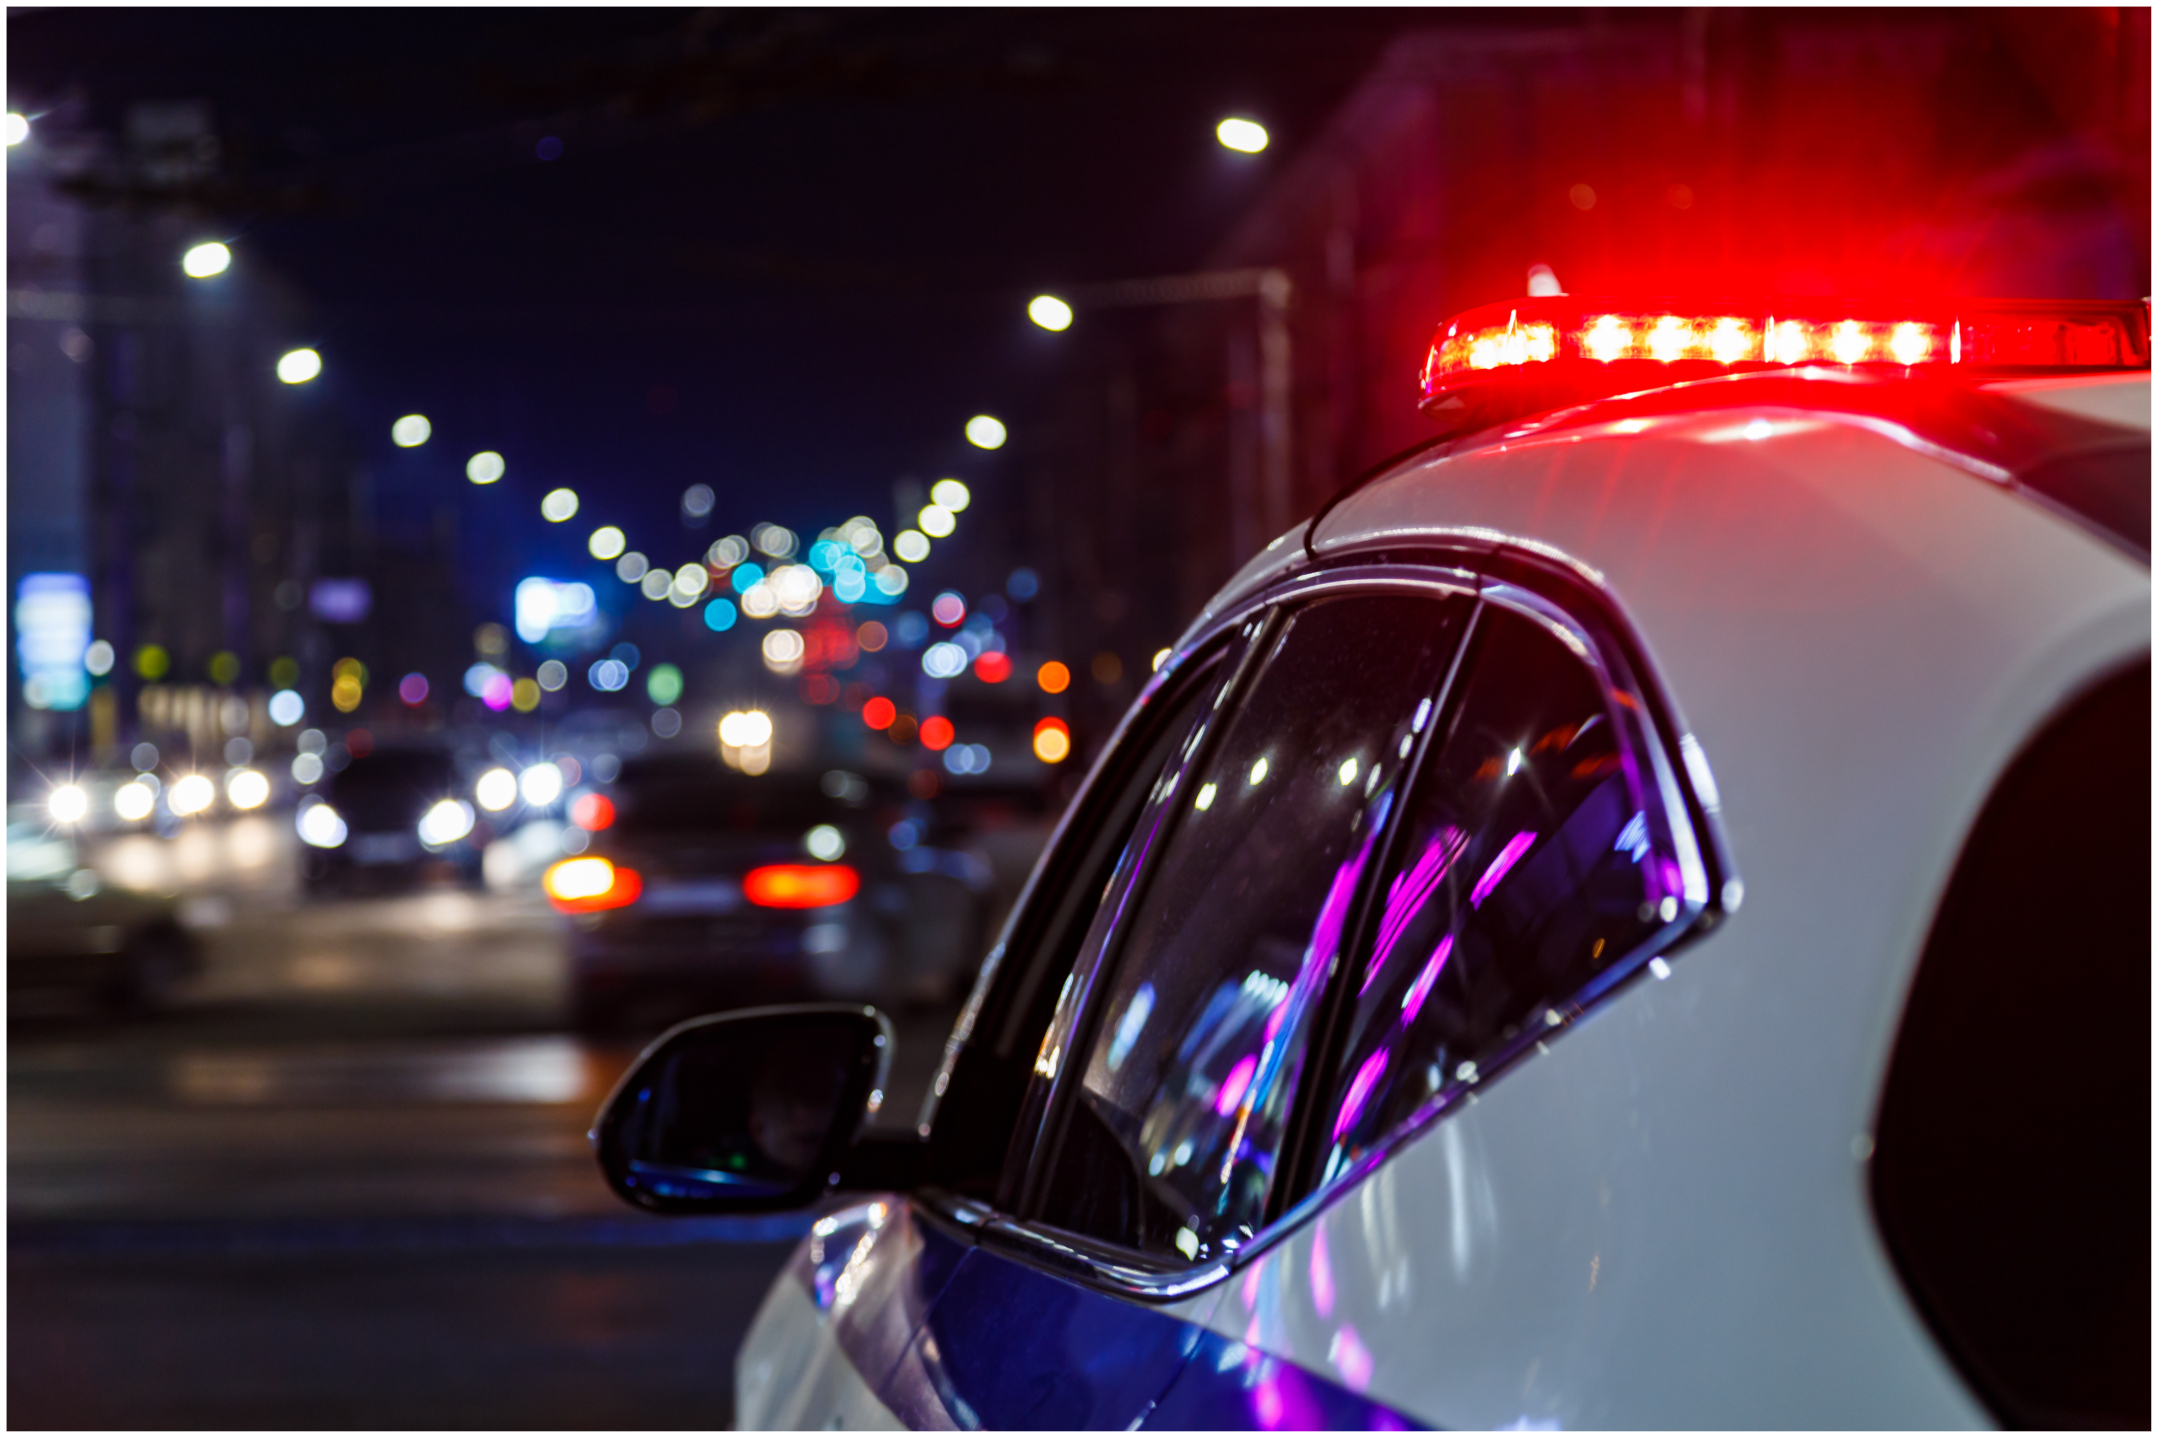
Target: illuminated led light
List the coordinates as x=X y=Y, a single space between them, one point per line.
x=1910 y=343
x=1245 y=136
x=485 y=468
x=496 y=790
x=67 y=804
x=247 y=789
x=559 y=504
x=879 y=712
x=935 y=521
x=297 y=367
x=287 y=708
x=1730 y=340
x=801 y=887
x=690 y=581
x=951 y=494
x=1053 y=677
x=1670 y=339
x=1607 y=339
x=986 y=432
x=911 y=546
x=1050 y=312
x=746 y=728
x=1849 y=344
x=607 y=543
x=993 y=667
x=410 y=430
x=936 y=733
x=825 y=842
x=205 y=260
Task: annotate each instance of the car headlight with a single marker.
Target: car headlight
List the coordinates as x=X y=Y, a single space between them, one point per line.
x=320 y=826
x=247 y=789
x=67 y=804
x=191 y=795
x=541 y=784
x=446 y=821
x=496 y=790
x=134 y=801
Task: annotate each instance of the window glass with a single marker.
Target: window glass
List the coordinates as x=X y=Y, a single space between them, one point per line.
x=1528 y=866
x=1172 y=1136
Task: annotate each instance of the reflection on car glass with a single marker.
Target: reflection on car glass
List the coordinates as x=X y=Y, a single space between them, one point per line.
x=1172 y=1141
x=1530 y=862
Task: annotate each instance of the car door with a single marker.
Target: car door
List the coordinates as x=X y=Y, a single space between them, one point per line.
x=1148 y=1143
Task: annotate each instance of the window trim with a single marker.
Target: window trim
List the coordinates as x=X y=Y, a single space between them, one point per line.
x=1546 y=587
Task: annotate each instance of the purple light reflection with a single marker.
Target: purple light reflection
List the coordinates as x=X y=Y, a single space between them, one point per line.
x=1511 y=852
x=1414 y=998
x=1351 y=1359
x=1361 y=1088
x=1408 y=894
x=1234 y=1085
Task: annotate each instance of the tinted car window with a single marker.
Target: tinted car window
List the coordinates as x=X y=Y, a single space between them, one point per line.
x=1529 y=864
x=1177 y=1119
x=693 y=794
x=391 y=787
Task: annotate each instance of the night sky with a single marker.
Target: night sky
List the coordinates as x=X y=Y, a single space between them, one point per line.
x=785 y=254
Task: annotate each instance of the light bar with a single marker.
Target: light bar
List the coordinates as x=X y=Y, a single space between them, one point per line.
x=1606 y=345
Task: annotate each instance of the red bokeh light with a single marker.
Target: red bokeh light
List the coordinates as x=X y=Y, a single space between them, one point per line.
x=592 y=812
x=878 y=712
x=993 y=668
x=937 y=732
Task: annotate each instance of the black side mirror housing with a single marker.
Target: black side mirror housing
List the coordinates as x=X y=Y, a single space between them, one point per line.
x=754 y=1110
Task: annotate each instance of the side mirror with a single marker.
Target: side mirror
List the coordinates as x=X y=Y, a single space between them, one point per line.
x=748 y=1111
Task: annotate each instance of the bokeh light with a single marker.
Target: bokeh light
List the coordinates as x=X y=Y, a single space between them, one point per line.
x=559 y=504
x=496 y=790
x=936 y=732
x=205 y=260
x=986 y=432
x=413 y=688
x=935 y=521
x=951 y=494
x=1053 y=742
x=1050 y=312
x=247 y=789
x=911 y=546
x=1246 y=136
x=948 y=609
x=297 y=367
x=607 y=542
x=720 y=614
x=485 y=468
x=879 y=712
x=993 y=668
x=1053 y=677
x=410 y=430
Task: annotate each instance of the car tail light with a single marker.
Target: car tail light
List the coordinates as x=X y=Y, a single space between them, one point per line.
x=800 y=887
x=586 y=883
x=1614 y=345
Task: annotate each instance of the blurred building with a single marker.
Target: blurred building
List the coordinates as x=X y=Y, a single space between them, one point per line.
x=220 y=519
x=1734 y=152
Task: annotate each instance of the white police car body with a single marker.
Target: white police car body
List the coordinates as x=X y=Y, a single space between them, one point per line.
x=1636 y=918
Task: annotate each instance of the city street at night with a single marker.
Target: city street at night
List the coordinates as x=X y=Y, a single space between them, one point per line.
x=1079 y=719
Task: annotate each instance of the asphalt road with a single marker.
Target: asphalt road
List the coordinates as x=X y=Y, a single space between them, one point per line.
x=344 y=1182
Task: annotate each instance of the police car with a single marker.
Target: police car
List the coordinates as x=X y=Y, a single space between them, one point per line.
x=1637 y=916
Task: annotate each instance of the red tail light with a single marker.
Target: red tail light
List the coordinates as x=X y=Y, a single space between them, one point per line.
x=592 y=812
x=800 y=887
x=585 y=883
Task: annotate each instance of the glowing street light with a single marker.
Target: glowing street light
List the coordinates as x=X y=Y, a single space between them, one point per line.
x=15 y=129
x=1050 y=312
x=411 y=430
x=986 y=432
x=205 y=260
x=485 y=468
x=297 y=367
x=1243 y=135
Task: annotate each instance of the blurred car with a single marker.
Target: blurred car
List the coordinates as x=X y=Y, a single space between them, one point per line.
x=394 y=816
x=704 y=887
x=1383 y=1040
x=73 y=935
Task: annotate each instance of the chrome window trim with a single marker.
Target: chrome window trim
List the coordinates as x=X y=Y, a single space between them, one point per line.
x=1677 y=782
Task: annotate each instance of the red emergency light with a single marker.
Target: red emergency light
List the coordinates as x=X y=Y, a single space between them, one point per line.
x=1574 y=347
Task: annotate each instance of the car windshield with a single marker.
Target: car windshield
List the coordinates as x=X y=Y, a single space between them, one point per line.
x=685 y=795
x=392 y=786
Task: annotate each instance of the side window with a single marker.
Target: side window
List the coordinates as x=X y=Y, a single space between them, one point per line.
x=1176 y=1115
x=1533 y=860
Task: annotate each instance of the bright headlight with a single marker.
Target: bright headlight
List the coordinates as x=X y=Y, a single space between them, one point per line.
x=133 y=801
x=67 y=804
x=320 y=826
x=191 y=794
x=247 y=789
x=541 y=784
x=445 y=821
x=496 y=790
